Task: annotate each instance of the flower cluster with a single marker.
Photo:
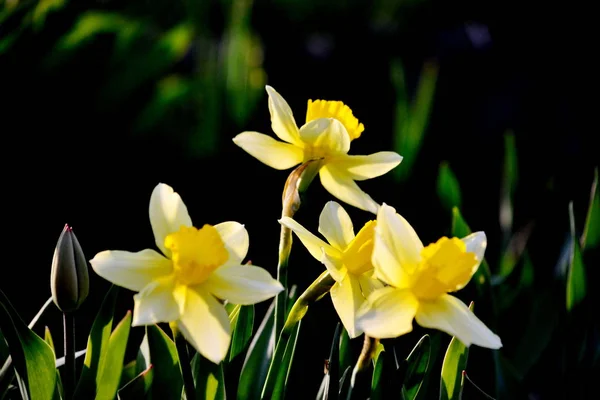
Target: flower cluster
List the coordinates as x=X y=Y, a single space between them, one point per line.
x=384 y=276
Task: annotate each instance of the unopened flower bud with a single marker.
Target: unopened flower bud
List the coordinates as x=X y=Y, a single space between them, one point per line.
x=69 y=281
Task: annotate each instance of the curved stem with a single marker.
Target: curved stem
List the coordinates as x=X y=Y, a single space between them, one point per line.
x=296 y=183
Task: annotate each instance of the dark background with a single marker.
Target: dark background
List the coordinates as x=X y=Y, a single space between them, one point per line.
x=92 y=119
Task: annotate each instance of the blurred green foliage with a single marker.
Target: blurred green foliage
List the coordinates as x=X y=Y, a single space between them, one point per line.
x=194 y=72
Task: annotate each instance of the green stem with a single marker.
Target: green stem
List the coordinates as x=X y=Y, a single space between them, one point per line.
x=184 y=363
x=296 y=183
x=69 y=348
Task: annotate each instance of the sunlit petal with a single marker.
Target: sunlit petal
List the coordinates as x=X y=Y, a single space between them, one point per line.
x=282 y=119
x=452 y=316
x=236 y=240
x=167 y=214
x=312 y=243
x=335 y=266
x=340 y=184
x=368 y=283
x=275 y=154
x=326 y=134
x=347 y=298
x=371 y=166
x=388 y=313
x=242 y=284
x=335 y=224
x=205 y=324
x=132 y=271
x=160 y=301
x=397 y=247
x=476 y=243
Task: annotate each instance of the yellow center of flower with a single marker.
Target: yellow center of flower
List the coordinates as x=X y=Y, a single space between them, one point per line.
x=338 y=110
x=196 y=253
x=357 y=256
x=445 y=266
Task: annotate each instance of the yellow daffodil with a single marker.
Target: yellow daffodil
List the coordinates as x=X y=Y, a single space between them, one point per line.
x=419 y=280
x=330 y=127
x=347 y=258
x=198 y=268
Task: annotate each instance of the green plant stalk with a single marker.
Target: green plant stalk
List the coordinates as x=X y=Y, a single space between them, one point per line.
x=184 y=362
x=296 y=183
x=69 y=348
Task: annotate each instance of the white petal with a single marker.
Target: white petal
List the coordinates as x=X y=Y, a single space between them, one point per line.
x=282 y=119
x=368 y=283
x=242 y=284
x=340 y=184
x=205 y=324
x=132 y=271
x=335 y=224
x=167 y=214
x=269 y=151
x=328 y=135
x=397 y=248
x=312 y=243
x=371 y=166
x=347 y=299
x=476 y=243
x=160 y=301
x=388 y=313
x=452 y=316
x=236 y=240
x=335 y=266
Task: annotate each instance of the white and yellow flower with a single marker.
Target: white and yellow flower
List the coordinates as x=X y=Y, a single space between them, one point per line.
x=198 y=268
x=419 y=280
x=347 y=258
x=330 y=127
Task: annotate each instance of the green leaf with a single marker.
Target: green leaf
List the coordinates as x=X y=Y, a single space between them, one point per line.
x=112 y=367
x=345 y=350
x=417 y=366
x=509 y=184
x=167 y=381
x=258 y=357
x=138 y=387
x=576 y=281
x=281 y=365
x=448 y=188
x=209 y=379
x=412 y=118
x=455 y=362
x=242 y=330
x=33 y=359
x=48 y=338
x=345 y=384
x=376 y=380
x=97 y=347
x=591 y=232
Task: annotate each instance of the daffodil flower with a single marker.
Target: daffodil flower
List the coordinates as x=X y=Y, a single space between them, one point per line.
x=419 y=280
x=197 y=268
x=330 y=127
x=347 y=258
